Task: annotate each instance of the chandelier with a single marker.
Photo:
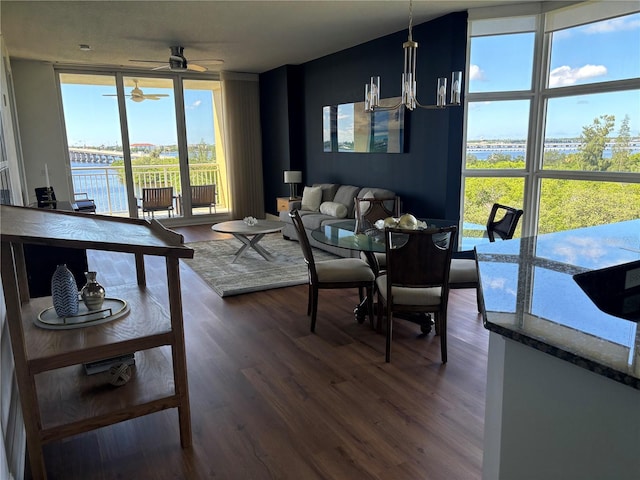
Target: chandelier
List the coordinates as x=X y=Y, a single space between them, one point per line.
x=409 y=82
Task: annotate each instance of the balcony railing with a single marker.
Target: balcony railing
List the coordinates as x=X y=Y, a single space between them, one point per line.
x=105 y=184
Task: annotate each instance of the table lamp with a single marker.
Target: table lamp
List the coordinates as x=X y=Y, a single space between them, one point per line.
x=292 y=177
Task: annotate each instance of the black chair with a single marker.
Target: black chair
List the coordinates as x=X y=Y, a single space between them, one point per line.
x=337 y=273
x=464 y=271
x=505 y=226
x=46 y=197
x=82 y=203
x=417 y=278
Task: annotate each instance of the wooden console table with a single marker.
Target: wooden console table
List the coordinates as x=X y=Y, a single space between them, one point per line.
x=46 y=357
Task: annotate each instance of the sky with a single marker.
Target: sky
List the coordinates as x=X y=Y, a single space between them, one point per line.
x=599 y=52
x=604 y=51
x=92 y=118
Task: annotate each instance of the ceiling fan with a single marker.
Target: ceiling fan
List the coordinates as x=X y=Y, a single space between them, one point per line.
x=138 y=95
x=178 y=62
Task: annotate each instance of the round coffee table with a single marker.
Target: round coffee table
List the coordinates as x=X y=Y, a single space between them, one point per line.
x=249 y=235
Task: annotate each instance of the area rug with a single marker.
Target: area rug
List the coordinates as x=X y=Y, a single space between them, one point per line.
x=251 y=273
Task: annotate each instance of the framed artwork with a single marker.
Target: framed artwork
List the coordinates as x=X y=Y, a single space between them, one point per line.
x=347 y=128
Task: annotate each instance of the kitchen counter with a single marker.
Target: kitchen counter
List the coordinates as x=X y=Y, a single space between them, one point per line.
x=563 y=376
x=530 y=296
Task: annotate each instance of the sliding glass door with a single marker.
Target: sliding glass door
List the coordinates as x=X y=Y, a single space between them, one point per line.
x=153 y=145
x=204 y=140
x=128 y=134
x=94 y=140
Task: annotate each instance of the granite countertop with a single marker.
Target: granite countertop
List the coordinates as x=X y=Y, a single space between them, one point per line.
x=530 y=296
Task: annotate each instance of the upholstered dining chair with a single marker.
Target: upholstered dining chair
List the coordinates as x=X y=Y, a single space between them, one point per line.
x=464 y=271
x=155 y=199
x=417 y=278
x=337 y=273
x=367 y=212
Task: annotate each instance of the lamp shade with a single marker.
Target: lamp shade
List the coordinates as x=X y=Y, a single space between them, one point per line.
x=292 y=176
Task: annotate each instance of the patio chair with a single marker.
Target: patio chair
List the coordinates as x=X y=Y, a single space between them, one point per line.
x=156 y=199
x=82 y=203
x=203 y=196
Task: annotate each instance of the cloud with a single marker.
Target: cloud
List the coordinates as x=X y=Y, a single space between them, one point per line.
x=194 y=105
x=566 y=75
x=476 y=73
x=613 y=25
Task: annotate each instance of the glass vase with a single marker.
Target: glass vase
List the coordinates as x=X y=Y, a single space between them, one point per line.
x=92 y=293
x=64 y=292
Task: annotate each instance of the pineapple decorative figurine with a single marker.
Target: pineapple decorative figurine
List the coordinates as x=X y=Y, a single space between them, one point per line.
x=92 y=293
x=64 y=292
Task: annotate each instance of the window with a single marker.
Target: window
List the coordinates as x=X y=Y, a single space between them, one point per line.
x=596 y=52
x=555 y=129
x=511 y=70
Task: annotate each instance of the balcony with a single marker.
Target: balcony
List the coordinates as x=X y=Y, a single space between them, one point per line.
x=106 y=185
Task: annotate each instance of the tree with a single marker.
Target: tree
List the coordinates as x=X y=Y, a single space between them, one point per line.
x=620 y=157
x=594 y=140
x=202 y=153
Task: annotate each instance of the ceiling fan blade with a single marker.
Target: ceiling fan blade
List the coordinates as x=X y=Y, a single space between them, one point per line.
x=161 y=67
x=210 y=61
x=155 y=96
x=196 y=68
x=147 y=61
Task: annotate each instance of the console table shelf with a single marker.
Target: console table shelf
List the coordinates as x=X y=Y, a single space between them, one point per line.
x=58 y=398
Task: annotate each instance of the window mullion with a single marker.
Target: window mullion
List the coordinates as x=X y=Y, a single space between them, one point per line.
x=531 y=200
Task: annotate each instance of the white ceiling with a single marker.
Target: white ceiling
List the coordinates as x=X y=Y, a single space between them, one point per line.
x=250 y=36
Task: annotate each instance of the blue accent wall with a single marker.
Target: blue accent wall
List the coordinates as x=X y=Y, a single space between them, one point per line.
x=426 y=176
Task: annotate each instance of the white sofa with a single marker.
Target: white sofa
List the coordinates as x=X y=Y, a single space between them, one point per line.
x=336 y=205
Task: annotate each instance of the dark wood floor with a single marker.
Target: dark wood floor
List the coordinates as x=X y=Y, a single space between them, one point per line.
x=270 y=400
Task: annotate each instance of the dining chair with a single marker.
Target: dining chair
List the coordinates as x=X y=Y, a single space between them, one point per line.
x=157 y=198
x=367 y=212
x=332 y=274
x=417 y=278
x=203 y=196
x=464 y=271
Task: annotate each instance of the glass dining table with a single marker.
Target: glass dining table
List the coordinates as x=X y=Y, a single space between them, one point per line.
x=343 y=235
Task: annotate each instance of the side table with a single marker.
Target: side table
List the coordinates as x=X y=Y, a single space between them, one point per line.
x=284 y=203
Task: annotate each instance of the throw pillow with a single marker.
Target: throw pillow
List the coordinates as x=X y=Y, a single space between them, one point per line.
x=311 y=198
x=334 y=209
x=345 y=196
x=328 y=190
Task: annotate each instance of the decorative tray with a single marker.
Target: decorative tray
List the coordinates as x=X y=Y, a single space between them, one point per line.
x=112 y=309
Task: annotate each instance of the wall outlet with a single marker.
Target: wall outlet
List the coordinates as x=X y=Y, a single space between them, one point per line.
x=632 y=278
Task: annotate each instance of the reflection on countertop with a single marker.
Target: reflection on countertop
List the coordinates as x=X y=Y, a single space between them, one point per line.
x=530 y=296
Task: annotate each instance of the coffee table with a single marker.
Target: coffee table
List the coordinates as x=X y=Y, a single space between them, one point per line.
x=249 y=235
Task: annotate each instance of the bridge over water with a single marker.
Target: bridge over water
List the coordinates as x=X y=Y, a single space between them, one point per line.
x=93 y=155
